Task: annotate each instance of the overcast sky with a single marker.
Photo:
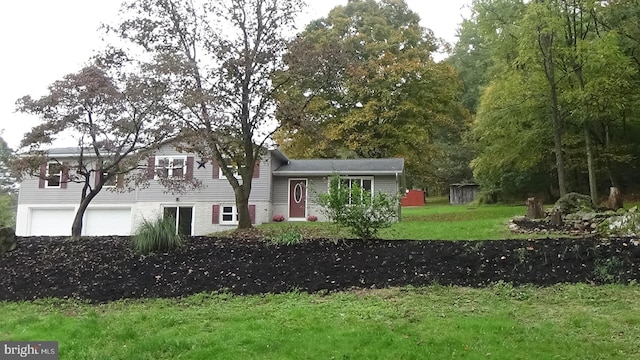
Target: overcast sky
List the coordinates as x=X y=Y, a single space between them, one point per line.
x=43 y=40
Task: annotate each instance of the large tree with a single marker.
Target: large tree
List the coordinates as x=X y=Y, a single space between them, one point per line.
x=370 y=87
x=216 y=59
x=8 y=186
x=115 y=119
x=554 y=58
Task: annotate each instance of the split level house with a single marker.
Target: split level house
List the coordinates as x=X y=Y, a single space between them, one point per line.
x=281 y=186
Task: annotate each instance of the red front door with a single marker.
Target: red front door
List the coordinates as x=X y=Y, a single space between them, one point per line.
x=298 y=198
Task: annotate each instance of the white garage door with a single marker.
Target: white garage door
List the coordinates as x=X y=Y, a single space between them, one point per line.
x=108 y=221
x=51 y=222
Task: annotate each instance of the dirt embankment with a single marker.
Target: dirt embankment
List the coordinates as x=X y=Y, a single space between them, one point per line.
x=105 y=269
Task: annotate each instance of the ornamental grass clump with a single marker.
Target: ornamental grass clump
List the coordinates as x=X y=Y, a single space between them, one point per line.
x=157 y=236
x=289 y=236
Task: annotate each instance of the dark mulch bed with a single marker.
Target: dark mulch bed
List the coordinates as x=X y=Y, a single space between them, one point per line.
x=104 y=269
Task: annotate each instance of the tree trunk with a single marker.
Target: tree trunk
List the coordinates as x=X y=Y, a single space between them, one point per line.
x=242 y=205
x=613 y=179
x=76 y=227
x=557 y=144
x=556 y=218
x=615 y=199
x=590 y=166
x=546 y=46
x=534 y=208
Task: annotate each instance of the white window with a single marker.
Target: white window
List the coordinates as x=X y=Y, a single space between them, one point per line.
x=171 y=167
x=364 y=183
x=183 y=216
x=112 y=182
x=53 y=175
x=234 y=171
x=228 y=214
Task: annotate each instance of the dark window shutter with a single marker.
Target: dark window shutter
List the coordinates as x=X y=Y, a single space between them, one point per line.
x=43 y=174
x=65 y=175
x=120 y=180
x=215 y=217
x=98 y=175
x=151 y=167
x=256 y=170
x=189 y=173
x=216 y=170
x=252 y=213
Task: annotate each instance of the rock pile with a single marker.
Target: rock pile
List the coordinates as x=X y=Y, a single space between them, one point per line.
x=573 y=214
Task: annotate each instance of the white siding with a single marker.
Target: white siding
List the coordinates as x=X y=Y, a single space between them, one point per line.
x=202 y=215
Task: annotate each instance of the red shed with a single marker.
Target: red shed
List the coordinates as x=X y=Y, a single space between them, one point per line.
x=413 y=198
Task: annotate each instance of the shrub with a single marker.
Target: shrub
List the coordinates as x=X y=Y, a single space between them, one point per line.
x=7 y=211
x=363 y=213
x=574 y=202
x=288 y=236
x=312 y=218
x=157 y=236
x=278 y=218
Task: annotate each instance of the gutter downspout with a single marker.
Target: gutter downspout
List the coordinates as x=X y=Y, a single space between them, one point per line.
x=398 y=186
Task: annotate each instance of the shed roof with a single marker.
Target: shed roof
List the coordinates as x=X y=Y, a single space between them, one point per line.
x=321 y=167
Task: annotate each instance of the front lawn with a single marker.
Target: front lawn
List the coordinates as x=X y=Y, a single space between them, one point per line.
x=366 y=300
x=431 y=222
x=455 y=222
x=435 y=322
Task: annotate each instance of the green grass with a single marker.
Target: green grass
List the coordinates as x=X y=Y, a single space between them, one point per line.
x=499 y=322
x=455 y=222
x=435 y=221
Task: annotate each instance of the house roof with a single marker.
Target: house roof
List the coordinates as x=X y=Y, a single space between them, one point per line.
x=63 y=151
x=321 y=167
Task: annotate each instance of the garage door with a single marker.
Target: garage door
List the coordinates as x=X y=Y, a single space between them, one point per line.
x=51 y=222
x=108 y=221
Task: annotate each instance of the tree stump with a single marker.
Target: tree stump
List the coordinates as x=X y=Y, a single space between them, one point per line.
x=615 y=199
x=556 y=217
x=534 y=208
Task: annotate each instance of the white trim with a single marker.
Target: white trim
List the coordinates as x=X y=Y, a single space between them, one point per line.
x=73 y=208
x=177 y=206
x=306 y=199
x=234 y=215
x=30 y=208
x=108 y=207
x=115 y=180
x=47 y=175
x=361 y=178
x=170 y=166
x=234 y=168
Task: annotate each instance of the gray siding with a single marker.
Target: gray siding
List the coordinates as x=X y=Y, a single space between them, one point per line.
x=213 y=190
x=387 y=184
x=319 y=185
x=30 y=193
